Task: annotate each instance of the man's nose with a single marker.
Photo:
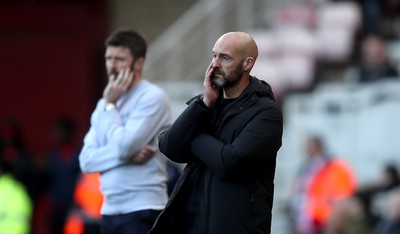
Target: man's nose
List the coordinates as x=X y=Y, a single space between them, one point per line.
x=113 y=64
x=216 y=62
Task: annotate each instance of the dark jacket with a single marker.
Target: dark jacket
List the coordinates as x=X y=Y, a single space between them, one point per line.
x=233 y=155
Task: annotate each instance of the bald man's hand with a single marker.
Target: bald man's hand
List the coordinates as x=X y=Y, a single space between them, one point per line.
x=210 y=93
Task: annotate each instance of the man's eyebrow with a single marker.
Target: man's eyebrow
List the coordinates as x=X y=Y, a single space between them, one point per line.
x=114 y=57
x=222 y=54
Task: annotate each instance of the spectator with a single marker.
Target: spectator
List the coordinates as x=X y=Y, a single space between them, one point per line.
x=390 y=222
x=321 y=181
x=63 y=170
x=374 y=195
x=372 y=16
x=374 y=65
x=390 y=178
x=348 y=217
x=85 y=217
x=15 y=204
x=15 y=153
x=381 y=17
x=390 y=15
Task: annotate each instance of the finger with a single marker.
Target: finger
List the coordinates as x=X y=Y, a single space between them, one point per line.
x=146 y=158
x=117 y=80
x=146 y=155
x=209 y=67
x=112 y=78
x=127 y=80
x=207 y=78
x=138 y=158
x=209 y=70
x=125 y=74
x=122 y=77
x=209 y=73
x=151 y=148
x=151 y=154
x=142 y=157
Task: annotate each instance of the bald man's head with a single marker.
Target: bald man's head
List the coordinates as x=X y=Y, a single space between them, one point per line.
x=234 y=55
x=242 y=42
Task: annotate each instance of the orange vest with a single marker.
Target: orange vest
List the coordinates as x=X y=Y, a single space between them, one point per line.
x=333 y=182
x=89 y=199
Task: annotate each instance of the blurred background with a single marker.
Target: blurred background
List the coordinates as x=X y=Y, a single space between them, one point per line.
x=333 y=66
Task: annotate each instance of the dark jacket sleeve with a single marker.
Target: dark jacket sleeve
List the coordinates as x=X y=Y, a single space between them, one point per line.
x=256 y=144
x=175 y=142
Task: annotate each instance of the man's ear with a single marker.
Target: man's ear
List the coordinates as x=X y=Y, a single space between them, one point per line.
x=248 y=63
x=139 y=63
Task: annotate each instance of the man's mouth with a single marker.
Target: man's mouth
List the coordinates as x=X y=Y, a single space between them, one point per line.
x=114 y=73
x=217 y=72
x=215 y=75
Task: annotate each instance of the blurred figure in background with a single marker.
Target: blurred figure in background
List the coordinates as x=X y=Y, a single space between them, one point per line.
x=390 y=221
x=349 y=216
x=372 y=16
x=391 y=18
x=321 y=181
x=23 y=166
x=15 y=203
x=85 y=217
x=17 y=156
x=390 y=178
x=374 y=195
x=374 y=64
x=381 y=17
x=63 y=170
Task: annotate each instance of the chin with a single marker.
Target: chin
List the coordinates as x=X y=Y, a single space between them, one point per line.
x=219 y=83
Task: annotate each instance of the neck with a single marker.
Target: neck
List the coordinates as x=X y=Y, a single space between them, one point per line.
x=137 y=77
x=237 y=89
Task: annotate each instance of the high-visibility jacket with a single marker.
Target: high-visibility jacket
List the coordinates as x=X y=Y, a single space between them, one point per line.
x=88 y=195
x=88 y=200
x=15 y=206
x=332 y=182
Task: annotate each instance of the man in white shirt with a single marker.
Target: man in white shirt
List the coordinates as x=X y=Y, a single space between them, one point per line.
x=122 y=138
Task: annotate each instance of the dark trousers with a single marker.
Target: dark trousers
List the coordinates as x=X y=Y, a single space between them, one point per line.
x=138 y=222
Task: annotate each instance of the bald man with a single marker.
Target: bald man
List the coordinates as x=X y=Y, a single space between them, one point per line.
x=229 y=137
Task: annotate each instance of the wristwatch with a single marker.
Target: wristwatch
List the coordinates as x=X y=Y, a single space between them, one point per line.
x=109 y=106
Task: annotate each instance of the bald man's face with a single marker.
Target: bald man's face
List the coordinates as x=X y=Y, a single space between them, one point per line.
x=227 y=63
